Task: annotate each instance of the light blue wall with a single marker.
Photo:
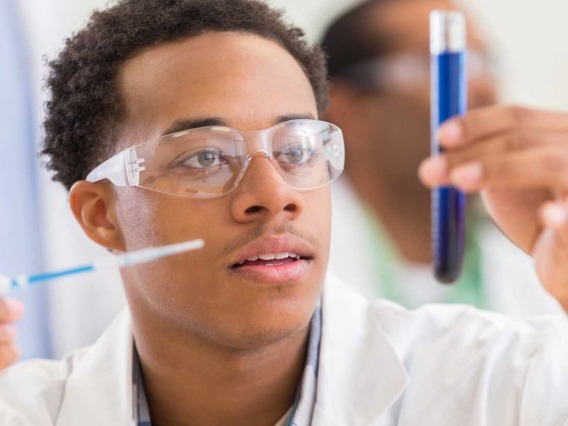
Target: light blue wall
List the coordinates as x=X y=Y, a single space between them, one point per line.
x=20 y=240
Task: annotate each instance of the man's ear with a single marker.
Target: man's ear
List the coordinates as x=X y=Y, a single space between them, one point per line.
x=93 y=205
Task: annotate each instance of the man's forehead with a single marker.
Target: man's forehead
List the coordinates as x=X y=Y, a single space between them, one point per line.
x=204 y=57
x=231 y=76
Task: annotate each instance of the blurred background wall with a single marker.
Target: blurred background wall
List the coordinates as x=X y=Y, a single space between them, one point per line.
x=529 y=39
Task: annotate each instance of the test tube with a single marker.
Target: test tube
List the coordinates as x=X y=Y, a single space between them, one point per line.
x=448 y=99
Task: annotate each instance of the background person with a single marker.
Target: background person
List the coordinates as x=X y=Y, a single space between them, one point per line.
x=378 y=62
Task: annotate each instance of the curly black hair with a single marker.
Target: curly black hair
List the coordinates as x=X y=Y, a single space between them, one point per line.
x=84 y=110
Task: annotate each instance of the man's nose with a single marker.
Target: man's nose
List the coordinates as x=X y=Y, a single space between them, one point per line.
x=264 y=194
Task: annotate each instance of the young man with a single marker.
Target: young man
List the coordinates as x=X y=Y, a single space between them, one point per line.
x=188 y=119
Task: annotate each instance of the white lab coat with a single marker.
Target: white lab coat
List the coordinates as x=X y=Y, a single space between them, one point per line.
x=379 y=365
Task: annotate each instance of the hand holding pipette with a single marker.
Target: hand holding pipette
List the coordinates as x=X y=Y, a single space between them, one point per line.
x=10 y=311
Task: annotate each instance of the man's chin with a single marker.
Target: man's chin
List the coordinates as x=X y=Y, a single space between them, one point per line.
x=260 y=329
x=251 y=339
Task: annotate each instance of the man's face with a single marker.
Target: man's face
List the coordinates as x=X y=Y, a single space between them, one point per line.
x=247 y=83
x=397 y=124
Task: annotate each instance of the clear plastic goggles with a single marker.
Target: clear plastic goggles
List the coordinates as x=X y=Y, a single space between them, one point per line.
x=210 y=162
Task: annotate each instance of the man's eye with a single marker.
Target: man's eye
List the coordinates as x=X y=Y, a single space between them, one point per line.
x=204 y=159
x=294 y=154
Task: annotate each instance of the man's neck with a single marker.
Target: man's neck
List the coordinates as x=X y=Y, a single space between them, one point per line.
x=404 y=213
x=196 y=382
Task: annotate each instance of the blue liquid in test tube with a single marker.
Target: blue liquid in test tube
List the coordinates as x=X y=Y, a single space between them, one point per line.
x=449 y=98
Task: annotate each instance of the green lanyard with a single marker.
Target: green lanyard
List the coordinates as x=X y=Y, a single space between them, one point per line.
x=468 y=289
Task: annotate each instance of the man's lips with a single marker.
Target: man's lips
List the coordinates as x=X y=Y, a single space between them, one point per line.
x=273 y=251
x=276 y=260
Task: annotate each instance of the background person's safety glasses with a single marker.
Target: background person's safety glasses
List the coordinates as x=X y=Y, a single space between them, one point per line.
x=209 y=162
x=410 y=70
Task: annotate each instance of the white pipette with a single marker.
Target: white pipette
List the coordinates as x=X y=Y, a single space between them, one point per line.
x=120 y=261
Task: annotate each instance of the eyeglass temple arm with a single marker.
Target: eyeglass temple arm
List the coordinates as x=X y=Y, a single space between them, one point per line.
x=123 y=169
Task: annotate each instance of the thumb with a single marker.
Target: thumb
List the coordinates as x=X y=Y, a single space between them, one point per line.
x=550 y=251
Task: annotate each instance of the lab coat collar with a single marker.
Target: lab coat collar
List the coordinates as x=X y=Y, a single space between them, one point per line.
x=99 y=391
x=359 y=374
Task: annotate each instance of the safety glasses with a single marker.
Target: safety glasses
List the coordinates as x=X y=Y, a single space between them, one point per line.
x=209 y=162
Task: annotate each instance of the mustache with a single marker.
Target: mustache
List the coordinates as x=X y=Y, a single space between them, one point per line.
x=268 y=231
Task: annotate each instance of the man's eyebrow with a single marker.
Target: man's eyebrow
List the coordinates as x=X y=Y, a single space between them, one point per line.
x=288 y=117
x=181 y=125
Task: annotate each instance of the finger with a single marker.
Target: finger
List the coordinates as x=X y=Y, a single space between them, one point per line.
x=482 y=150
x=7 y=334
x=434 y=171
x=551 y=248
x=506 y=142
x=11 y=310
x=543 y=168
x=485 y=122
x=8 y=355
x=554 y=215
